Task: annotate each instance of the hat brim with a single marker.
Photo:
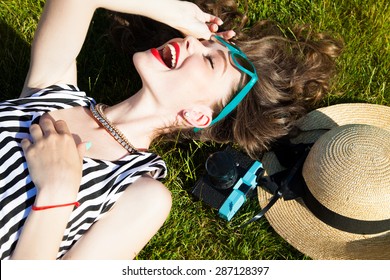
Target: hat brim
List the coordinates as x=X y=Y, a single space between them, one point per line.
x=294 y=222
x=317 y=122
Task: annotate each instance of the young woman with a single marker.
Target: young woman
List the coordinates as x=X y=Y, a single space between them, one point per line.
x=77 y=180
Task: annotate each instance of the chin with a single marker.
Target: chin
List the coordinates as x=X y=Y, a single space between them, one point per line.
x=143 y=65
x=137 y=59
x=145 y=69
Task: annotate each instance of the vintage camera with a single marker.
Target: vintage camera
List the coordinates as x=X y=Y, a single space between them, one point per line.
x=230 y=178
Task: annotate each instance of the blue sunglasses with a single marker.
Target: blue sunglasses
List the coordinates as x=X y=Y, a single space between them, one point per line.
x=242 y=63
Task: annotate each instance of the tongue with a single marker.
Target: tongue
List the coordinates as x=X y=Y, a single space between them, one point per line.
x=167 y=56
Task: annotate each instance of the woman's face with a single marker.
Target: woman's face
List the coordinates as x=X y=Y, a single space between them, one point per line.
x=188 y=72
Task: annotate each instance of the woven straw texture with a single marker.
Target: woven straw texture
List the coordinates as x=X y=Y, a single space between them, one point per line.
x=348 y=171
x=356 y=157
x=317 y=122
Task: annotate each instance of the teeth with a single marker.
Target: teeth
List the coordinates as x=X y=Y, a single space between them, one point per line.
x=173 y=54
x=169 y=56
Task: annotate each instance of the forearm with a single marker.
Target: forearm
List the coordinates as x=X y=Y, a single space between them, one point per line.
x=43 y=230
x=60 y=35
x=58 y=40
x=55 y=166
x=149 y=8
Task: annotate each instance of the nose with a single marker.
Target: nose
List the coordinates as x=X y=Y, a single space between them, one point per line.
x=192 y=45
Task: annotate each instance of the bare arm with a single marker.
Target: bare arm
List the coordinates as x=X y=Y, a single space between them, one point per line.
x=57 y=42
x=64 y=24
x=55 y=166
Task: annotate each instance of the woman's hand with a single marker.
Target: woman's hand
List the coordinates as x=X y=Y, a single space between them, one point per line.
x=191 y=20
x=54 y=161
x=184 y=16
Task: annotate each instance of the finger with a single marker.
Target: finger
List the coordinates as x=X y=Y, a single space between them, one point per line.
x=61 y=127
x=227 y=35
x=25 y=143
x=213 y=27
x=36 y=132
x=46 y=125
x=212 y=19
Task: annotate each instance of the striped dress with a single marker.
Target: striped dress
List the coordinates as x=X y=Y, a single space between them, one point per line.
x=102 y=182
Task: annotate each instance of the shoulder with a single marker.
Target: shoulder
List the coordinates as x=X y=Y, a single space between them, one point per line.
x=49 y=99
x=59 y=96
x=148 y=195
x=148 y=182
x=53 y=89
x=154 y=190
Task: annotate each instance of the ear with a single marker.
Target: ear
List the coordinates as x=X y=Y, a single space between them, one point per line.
x=198 y=117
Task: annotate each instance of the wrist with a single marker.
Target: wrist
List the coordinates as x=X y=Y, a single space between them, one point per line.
x=55 y=196
x=46 y=207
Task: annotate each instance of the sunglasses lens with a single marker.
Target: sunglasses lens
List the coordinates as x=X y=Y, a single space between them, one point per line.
x=238 y=57
x=242 y=62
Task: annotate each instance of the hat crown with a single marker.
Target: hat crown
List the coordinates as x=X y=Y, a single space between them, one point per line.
x=348 y=171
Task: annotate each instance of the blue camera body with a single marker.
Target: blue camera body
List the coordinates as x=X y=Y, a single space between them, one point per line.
x=221 y=191
x=241 y=189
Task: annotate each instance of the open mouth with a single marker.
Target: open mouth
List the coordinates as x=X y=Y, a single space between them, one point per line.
x=168 y=54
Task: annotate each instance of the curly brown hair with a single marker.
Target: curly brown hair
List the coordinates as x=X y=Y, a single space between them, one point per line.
x=294 y=65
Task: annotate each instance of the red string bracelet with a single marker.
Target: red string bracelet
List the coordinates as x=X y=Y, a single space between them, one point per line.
x=38 y=208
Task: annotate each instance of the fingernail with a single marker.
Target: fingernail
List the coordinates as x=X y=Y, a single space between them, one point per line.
x=88 y=145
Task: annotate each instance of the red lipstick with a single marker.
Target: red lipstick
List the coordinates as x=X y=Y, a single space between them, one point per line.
x=157 y=54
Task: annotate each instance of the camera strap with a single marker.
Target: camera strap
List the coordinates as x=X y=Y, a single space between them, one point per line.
x=287 y=183
x=272 y=201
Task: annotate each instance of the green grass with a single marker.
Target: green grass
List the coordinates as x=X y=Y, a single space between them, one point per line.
x=193 y=231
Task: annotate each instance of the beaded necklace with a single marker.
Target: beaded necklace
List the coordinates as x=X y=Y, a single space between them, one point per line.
x=98 y=113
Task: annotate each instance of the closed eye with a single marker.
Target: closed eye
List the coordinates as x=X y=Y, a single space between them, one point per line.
x=211 y=61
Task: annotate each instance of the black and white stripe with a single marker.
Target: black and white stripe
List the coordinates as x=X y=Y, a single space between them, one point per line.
x=102 y=182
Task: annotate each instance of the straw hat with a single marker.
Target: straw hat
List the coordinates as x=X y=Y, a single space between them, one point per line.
x=347 y=176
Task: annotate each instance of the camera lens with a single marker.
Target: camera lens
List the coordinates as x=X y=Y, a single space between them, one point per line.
x=222 y=170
